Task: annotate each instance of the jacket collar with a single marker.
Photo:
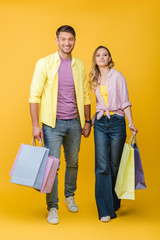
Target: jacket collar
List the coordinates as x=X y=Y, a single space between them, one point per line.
x=109 y=74
x=57 y=57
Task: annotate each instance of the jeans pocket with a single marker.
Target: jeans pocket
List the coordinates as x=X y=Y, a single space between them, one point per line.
x=95 y=119
x=118 y=117
x=75 y=123
x=45 y=127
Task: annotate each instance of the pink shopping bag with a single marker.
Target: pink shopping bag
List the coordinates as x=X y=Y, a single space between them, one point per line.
x=49 y=175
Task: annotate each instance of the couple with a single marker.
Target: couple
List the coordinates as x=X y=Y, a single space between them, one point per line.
x=59 y=98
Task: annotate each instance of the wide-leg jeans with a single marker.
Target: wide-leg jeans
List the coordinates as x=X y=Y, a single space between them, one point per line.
x=68 y=134
x=109 y=137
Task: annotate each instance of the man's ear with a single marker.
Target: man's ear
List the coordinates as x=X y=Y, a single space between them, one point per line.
x=56 y=40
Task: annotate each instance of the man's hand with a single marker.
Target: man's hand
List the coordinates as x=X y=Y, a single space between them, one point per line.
x=37 y=133
x=86 y=130
x=87 y=126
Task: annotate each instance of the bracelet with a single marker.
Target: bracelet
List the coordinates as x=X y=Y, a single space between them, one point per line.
x=131 y=124
x=88 y=121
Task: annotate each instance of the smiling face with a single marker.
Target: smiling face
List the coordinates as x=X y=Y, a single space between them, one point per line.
x=65 y=42
x=102 y=57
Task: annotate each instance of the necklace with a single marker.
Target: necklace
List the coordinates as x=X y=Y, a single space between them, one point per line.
x=103 y=80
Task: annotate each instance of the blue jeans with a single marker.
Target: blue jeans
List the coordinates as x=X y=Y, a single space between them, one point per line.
x=68 y=133
x=109 y=137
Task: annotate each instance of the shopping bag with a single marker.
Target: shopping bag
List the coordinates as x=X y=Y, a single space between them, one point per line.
x=29 y=166
x=16 y=159
x=125 y=183
x=49 y=175
x=139 y=174
x=33 y=142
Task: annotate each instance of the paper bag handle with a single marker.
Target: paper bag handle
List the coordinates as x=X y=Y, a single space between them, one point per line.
x=133 y=139
x=33 y=142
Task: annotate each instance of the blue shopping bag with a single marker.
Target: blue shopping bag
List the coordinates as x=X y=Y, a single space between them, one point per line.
x=30 y=166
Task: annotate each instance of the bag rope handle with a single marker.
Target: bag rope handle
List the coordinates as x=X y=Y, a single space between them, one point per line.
x=33 y=142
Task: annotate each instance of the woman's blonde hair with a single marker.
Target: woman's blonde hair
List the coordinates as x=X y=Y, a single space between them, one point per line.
x=94 y=73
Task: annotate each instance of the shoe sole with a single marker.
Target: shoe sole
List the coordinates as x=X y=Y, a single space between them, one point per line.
x=52 y=223
x=105 y=221
x=72 y=211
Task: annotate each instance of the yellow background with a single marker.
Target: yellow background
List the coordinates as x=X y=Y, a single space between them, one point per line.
x=130 y=29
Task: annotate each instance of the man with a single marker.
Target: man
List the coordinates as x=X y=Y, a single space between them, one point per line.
x=59 y=86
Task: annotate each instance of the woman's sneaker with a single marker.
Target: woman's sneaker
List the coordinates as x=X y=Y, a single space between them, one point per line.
x=105 y=219
x=53 y=216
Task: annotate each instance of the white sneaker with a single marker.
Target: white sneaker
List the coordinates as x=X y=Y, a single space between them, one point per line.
x=53 y=216
x=72 y=207
x=105 y=219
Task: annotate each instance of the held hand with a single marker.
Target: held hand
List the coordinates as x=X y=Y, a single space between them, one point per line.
x=37 y=133
x=93 y=119
x=86 y=130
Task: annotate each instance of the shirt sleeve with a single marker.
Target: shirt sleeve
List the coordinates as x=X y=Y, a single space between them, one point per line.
x=38 y=81
x=123 y=91
x=87 y=100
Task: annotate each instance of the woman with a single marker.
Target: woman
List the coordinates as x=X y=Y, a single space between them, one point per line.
x=112 y=104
